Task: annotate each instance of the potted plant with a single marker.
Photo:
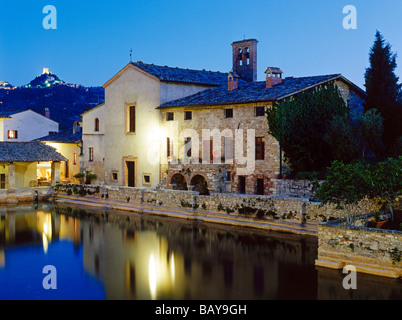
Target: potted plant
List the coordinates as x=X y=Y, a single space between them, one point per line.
x=90 y=177
x=378 y=222
x=80 y=176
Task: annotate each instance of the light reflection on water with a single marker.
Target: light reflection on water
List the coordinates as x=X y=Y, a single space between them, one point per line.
x=102 y=254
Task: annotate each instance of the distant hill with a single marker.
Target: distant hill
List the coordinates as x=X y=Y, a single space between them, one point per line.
x=5 y=85
x=45 y=80
x=66 y=102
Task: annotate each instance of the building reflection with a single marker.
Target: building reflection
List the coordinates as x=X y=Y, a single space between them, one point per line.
x=144 y=257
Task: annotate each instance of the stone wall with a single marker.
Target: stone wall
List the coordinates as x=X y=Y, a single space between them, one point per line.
x=170 y=198
x=314 y=211
x=291 y=188
x=25 y=195
x=373 y=251
x=291 y=209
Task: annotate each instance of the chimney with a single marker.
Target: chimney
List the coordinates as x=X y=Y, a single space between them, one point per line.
x=274 y=77
x=232 y=81
x=47 y=113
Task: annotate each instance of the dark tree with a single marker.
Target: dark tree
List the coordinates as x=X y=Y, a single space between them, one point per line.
x=383 y=90
x=300 y=125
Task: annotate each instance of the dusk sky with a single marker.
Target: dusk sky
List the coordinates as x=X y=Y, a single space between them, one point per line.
x=93 y=38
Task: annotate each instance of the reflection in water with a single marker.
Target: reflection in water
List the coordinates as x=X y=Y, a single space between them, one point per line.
x=115 y=255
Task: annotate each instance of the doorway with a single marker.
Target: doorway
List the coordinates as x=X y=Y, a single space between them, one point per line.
x=260 y=187
x=130 y=173
x=242 y=184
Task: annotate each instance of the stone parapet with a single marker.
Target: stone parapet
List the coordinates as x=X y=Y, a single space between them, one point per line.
x=371 y=251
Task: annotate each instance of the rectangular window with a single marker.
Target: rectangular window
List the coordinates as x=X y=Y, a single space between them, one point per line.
x=146 y=179
x=208 y=150
x=91 y=154
x=130 y=119
x=259 y=111
x=188 y=115
x=228 y=149
x=259 y=148
x=12 y=134
x=228 y=176
x=228 y=113
x=67 y=169
x=74 y=158
x=187 y=147
x=2 y=181
x=168 y=148
x=169 y=116
x=115 y=176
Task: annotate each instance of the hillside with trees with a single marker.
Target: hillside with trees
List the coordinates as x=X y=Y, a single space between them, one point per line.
x=66 y=102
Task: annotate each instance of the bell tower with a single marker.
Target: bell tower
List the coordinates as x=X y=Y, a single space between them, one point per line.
x=245 y=59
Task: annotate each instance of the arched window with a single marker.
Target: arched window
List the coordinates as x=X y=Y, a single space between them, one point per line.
x=240 y=56
x=96 y=124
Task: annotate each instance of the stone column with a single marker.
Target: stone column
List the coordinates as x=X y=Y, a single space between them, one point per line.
x=55 y=173
x=11 y=178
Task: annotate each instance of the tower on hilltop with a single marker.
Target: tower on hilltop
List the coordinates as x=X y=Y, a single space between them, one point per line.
x=245 y=59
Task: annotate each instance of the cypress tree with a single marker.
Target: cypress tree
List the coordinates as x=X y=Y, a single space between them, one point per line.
x=383 y=90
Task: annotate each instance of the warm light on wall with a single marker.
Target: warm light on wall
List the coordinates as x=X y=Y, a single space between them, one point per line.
x=156 y=134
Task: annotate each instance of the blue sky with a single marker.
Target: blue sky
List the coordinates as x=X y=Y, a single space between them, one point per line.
x=93 y=38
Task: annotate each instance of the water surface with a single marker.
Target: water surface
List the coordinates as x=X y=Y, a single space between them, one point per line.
x=101 y=254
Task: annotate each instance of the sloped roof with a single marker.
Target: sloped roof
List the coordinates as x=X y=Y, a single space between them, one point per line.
x=254 y=92
x=178 y=75
x=28 y=152
x=64 y=136
x=9 y=113
x=169 y=74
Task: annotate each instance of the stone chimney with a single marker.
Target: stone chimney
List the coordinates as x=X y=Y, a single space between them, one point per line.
x=232 y=81
x=47 y=113
x=274 y=77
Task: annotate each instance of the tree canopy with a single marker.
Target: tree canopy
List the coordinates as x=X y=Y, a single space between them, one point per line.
x=383 y=90
x=300 y=124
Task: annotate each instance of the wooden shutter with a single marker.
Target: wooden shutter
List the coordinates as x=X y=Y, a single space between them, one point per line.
x=259 y=148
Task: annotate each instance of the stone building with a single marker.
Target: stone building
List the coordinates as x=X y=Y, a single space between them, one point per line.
x=121 y=137
x=19 y=163
x=194 y=130
x=221 y=135
x=67 y=143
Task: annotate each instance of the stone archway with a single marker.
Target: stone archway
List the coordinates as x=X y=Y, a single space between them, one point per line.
x=199 y=184
x=178 y=181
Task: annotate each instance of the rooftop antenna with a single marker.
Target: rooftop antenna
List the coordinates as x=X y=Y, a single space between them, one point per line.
x=131 y=55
